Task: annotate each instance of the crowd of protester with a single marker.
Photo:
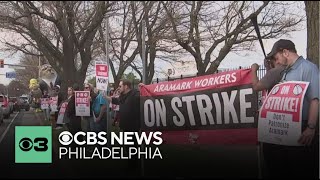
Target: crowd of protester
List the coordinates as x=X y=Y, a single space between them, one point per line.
x=284 y=64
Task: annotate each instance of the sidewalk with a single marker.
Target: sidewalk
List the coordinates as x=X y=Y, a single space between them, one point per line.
x=62 y=169
x=90 y=168
x=43 y=122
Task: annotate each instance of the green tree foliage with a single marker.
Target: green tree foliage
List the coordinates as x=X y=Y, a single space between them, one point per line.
x=93 y=81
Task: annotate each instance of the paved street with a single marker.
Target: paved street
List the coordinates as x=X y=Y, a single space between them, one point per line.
x=7 y=162
x=210 y=161
x=59 y=168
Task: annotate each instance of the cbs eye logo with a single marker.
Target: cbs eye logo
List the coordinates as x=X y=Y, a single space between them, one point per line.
x=39 y=144
x=65 y=138
x=33 y=144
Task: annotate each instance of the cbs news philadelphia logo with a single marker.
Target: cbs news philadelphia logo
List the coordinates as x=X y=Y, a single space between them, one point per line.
x=33 y=144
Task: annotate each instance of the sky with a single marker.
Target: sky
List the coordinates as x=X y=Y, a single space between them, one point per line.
x=247 y=58
x=232 y=60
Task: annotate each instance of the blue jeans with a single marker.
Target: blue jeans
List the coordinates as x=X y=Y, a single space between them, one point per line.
x=97 y=126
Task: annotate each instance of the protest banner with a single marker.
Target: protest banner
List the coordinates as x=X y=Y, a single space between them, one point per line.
x=102 y=75
x=280 y=117
x=45 y=103
x=213 y=109
x=54 y=104
x=62 y=113
x=82 y=103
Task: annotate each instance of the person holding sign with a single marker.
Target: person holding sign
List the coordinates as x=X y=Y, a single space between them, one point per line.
x=271 y=78
x=129 y=101
x=54 y=114
x=62 y=109
x=75 y=121
x=115 y=108
x=46 y=111
x=297 y=161
x=93 y=95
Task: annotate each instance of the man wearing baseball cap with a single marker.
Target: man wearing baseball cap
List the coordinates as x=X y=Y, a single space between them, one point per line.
x=281 y=45
x=297 y=161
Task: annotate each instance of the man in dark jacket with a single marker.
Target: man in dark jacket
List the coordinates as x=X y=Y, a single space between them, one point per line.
x=129 y=101
x=93 y=95
x=129 y=111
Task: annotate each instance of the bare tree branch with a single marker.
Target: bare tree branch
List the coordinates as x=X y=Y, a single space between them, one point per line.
x=214 y=28
x=60 y=30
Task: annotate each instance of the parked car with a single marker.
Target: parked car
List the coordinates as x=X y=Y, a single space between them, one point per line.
x=17 y=102
x=25 y=97
x=4 y=103
x=24 y=103
x=11 y=104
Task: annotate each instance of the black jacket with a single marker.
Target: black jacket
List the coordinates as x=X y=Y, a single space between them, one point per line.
x=61 y=99
x=93 y=98
x=44 y=86
x=71 y=110
x=129 y=111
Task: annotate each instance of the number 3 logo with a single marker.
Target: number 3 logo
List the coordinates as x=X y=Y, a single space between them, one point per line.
x=42 y=144
x=39 y=144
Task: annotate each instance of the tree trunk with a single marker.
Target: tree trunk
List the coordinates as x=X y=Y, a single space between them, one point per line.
x=201 y=69
x=67 y=78
x=312 y=12
x=116 y=82
x=69 y=74
x=152 y=55
x=150 y=76
x=70 y=77
x=119 y=76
